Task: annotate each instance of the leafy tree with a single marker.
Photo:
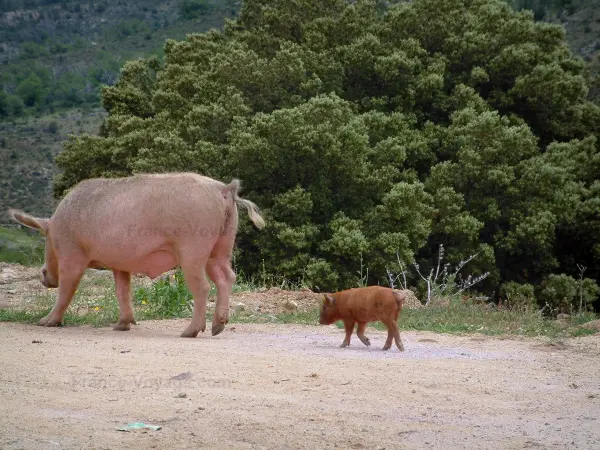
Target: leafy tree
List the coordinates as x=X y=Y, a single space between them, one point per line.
x=31 y=90
x=373 y=132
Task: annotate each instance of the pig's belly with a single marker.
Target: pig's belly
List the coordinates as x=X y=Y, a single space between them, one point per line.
x=151 y=264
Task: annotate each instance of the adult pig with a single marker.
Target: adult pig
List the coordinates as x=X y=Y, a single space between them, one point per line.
x=145 y=224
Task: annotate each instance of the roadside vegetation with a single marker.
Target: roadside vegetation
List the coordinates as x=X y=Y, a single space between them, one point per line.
x=169 y=298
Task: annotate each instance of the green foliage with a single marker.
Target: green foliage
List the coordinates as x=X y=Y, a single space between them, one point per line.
x=563 y=292
x=167 y=298
x=559 y=291
x=21 y=247
x=192 y=9
x=53 y=127
x=373 y=132
x=128 y=28
x=10 y=105
x=83 y=46
x=468 y=317
x=518 y=295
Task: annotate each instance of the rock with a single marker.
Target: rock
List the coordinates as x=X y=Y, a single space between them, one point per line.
x=563 y=316
x=7 y=276
x=291 y=305
x=240 y=306
x=11 y=292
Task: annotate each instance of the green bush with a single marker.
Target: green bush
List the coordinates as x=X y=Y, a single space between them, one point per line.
x=518 y=295
x=53 y=127
x=566 y=294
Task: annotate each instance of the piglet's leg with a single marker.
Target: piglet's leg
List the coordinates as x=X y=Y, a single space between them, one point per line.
x=349 y=326
x=360 y=332
x=123 y=289
x=397 y=337
x=390 y=328
x=393 y=333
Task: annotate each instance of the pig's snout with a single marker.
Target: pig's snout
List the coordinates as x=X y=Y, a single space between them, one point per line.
x=44 y=279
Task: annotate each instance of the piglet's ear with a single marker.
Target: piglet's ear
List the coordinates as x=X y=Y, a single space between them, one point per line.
x=328 y=299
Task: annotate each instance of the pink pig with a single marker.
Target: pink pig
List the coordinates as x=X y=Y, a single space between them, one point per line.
x=146 y=224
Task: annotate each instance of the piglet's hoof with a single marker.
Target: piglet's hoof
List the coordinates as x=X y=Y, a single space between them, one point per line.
x=365 y=341
x=217 y=328
x=344 y=344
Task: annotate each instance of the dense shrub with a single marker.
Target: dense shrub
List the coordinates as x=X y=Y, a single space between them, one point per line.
x=373 y=133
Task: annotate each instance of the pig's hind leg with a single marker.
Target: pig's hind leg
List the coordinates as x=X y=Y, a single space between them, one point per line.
x=193 y=267
x=123 y=288
x=220 y=272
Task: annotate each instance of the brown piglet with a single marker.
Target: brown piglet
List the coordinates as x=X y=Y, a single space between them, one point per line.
x=363 y=305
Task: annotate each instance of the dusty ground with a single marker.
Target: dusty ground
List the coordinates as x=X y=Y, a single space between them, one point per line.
x=286 y=386
x=291 y=387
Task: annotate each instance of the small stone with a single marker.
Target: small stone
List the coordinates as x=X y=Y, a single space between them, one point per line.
x=291 y=305
x=181 y=395
x=240 y=306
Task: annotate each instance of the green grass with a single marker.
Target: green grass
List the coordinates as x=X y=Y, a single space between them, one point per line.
x=461 y=317
x=21 y=247
x=169 y=298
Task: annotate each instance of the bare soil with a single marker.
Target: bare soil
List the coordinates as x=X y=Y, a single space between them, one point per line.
x=269 y=386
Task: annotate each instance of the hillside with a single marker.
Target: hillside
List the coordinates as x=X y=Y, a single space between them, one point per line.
x=54 y=57
x=56 y=54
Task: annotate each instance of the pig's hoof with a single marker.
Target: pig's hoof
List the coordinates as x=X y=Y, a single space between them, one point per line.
x=190 y=333
x=217 y=328
x=124 y=324
x=386 y=347
x=344 y=344
x=365 y=341
x=50 y=321
x=223 y=318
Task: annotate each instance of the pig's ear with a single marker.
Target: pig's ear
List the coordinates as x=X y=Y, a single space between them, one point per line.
x=328 y=300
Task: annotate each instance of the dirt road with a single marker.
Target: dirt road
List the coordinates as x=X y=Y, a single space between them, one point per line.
x=291 y=387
